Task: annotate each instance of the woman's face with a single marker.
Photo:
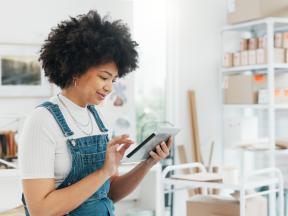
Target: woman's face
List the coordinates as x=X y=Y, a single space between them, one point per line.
x=96 y=83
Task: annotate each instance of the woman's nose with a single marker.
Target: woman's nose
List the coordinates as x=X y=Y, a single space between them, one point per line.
x=108 y=87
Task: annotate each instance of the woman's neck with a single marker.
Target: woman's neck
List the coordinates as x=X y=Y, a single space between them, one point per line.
x=74 y=97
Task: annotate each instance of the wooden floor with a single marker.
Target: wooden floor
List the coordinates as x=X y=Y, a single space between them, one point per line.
x=19 y=211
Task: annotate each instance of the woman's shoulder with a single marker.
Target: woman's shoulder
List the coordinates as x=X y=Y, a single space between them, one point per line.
x=40 y=115
x=41 y=122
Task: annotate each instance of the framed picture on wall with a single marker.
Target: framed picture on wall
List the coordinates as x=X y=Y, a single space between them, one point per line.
x=20 y=72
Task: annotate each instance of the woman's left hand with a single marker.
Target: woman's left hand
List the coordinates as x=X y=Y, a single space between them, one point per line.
x=162 y=151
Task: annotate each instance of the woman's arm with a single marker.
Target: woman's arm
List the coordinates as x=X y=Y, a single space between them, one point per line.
x=121 y=186
x=43 y=199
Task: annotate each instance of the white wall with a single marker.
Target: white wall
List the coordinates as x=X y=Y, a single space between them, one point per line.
x=30 y=21
x=197 y=67
x=194 y=56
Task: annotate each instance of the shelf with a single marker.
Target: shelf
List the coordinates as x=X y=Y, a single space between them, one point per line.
x=259 y=151
x=234 y=70
x=266 y=112
x=281 y=106
x=7 y=174
x=258 y=25
x=245 y=106
x=237 y=187
x=255 y=106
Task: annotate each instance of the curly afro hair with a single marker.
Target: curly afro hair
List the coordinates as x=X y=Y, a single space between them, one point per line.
x=84 y=41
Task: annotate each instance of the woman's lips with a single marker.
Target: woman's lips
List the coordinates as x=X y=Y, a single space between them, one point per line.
x=101 y=96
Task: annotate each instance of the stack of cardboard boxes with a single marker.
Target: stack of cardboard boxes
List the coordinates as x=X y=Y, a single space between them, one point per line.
x=246 y=10
x=252 y=89
x=254 y=51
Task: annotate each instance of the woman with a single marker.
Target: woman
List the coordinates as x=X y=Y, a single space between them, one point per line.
x=69 y=166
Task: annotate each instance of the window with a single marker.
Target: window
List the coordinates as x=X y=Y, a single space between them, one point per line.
x=150 y=32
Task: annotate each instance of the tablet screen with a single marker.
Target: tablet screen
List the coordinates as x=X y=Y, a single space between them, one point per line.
x=141 y=145
x=141 y=152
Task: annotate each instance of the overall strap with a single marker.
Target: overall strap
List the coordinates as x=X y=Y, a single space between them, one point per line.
x=57 y=114
x=97 y=118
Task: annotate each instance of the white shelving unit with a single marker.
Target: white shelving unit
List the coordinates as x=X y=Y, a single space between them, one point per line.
x=266 y=26
x=275 y=67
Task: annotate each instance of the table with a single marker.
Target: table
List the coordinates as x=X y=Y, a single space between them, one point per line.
x=270 y=177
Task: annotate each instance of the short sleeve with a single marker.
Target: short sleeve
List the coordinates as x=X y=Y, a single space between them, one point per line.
x=37 y=146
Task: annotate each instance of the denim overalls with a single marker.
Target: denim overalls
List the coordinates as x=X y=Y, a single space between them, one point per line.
x=88 y=155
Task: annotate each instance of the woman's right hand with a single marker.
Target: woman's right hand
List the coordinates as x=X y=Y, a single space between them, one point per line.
x=114 y=154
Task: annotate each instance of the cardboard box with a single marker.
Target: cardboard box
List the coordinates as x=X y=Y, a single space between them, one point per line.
x=278 y=40
x=253 y=44
x=239 y=90
x=215 y=205
x=252 y=57
x=261 y=57
x=244 y=58
x=262 y=42
x=244 y=43
x=280 y=93
x=228 y=60
x=281 y=80
x=240 y=129
x=245 y=10
x=285 y=40
x=243 y=89
x=280 y=96
x=259 y=82
x=236 y=59
x=279 y=56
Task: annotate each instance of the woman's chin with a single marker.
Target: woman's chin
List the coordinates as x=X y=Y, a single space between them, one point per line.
x=97 y=102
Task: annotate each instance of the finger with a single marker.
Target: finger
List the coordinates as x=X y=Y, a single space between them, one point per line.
x=164 y=147
x=169 y=142
x=120 y=140
x=117 y=145
x=160 y=152
x=113 y=140
x=154 y=156
x=114 y=148
x=123 y=148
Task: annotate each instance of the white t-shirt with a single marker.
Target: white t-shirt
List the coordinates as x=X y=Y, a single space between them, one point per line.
x=43 y=151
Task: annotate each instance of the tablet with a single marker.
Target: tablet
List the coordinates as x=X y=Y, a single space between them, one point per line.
x=141 y=152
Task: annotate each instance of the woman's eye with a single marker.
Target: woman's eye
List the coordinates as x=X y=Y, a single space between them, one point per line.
x=104 y=78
